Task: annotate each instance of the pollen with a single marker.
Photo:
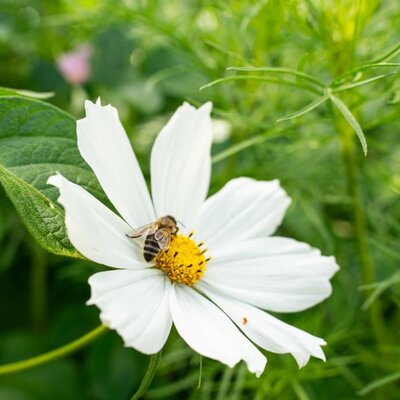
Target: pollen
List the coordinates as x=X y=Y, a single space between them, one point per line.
x=184 y=261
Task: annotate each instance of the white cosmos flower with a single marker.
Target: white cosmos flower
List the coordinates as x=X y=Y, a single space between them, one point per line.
x=216 y=304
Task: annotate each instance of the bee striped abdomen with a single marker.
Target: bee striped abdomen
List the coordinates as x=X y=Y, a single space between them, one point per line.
x=151 y=248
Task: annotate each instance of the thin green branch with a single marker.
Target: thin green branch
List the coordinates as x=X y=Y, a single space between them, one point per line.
x=379 y=289
x=236 y=148
x=54 y=354
x=338 y=80
x=239 y=382
x=304 y=110
x=299 y=390
x=224 y=50
x=388 y=55
x=164 y=74
x=386 y=380
x=224 y=384
x=263 y=79
x=280 y=70
x=359 y=220
x=362 y=83
x=39 y=289
x=148 y=377
x=200 y=371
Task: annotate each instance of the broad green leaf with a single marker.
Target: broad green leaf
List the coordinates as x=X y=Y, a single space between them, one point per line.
x=349 y=117
x=44 y=220
x=36 y=141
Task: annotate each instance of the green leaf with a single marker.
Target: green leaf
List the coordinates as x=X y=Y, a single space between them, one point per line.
x=349 y=117
x=348 y=75
x=279 y=70
x=43 y=219
x=26 y=93
x=274 y=80
x=388 y=55
x=36 y=141
x=352 y=85
x=304 y=110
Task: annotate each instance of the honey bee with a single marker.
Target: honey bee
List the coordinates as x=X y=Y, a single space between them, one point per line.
x=158 y=236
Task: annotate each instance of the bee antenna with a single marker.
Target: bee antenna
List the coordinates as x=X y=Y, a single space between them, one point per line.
x=181 y=223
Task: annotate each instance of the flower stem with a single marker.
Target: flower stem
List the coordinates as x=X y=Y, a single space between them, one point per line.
x=359 y=220
x=54 y=354
x=148 y=377
x=39 y=289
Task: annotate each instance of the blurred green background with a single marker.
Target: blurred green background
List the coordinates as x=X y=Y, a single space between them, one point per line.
x=146 y=58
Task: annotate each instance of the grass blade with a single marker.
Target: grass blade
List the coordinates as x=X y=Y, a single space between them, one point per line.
x=379 y=289
x=350 y=118
x=171 y=390
x=239 y=382
x=379 y=382
x=300 y=391
x=224 y=384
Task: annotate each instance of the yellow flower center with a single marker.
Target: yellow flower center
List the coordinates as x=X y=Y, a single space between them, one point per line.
x=184 y=261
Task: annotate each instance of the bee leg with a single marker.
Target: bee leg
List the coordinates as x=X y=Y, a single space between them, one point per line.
x=132 y=235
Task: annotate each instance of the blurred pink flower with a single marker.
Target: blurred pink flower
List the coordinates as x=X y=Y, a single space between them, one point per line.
x=74 y=66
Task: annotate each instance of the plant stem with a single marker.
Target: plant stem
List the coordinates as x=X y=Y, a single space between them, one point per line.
x=54 y=354
x=148 y=377
x=39 y=289
x=359 y=220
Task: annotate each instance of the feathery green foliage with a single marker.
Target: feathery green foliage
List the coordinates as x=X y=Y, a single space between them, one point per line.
x=302 y=83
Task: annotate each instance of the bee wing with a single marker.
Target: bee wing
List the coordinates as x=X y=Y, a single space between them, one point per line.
x=163 y=237
x=143 y=230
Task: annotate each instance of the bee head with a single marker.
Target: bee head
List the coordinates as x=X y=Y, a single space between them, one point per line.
x=171 y=222
x=171 y=218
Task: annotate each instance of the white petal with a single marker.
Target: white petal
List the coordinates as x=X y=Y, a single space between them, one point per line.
x=104 y=145
x=277 y=274
x=243 y=209
x=181 y=163
x=208 y=331
x=269 y=332
x=136 y=305
x=94 y=230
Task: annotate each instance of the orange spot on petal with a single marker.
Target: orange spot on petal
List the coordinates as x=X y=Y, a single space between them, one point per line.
x=244 y=320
